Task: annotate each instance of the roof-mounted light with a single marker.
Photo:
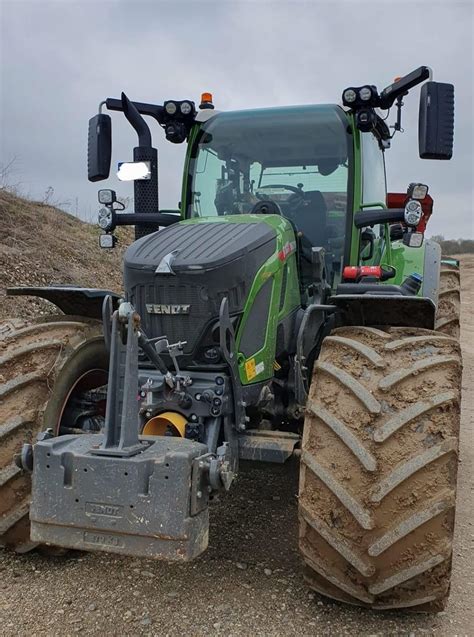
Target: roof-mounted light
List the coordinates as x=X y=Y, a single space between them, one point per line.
x=365 y=93
x=170 y=108
x=185 y=108
x=206 y=101
x=349 y=96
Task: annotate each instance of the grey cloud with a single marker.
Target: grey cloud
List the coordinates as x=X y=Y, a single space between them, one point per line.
x=59 y=59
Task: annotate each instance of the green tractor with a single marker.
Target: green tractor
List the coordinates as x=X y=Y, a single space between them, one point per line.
x=290 y=307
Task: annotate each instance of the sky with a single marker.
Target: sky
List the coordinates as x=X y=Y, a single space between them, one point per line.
x=59 y=59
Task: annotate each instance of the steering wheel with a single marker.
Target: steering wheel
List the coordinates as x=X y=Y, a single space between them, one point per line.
x=266 y=207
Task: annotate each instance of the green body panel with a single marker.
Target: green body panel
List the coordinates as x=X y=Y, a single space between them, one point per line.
x=184 y=186
x=259 y=366
x=406 y=261
x=356 y=190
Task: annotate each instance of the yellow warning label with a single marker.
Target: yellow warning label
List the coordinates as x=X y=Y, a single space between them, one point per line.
x=250 y=369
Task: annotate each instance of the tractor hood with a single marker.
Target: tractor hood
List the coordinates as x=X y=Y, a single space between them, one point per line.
x=176 y=278
x=198 y=247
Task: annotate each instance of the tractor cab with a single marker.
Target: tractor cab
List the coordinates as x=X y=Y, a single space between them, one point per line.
x=291 y=161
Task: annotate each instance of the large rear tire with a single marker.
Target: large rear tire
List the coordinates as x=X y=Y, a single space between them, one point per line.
x=379 y=467
x=449 y=300
x=41 y=363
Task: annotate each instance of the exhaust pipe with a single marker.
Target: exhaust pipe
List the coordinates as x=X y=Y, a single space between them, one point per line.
x=145 y=190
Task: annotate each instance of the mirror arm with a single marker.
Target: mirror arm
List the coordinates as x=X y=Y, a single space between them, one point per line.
x=152 y=110
x=403 y=85
x=365 y=218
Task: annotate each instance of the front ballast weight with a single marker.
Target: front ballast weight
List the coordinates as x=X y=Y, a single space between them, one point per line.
x=118 y=491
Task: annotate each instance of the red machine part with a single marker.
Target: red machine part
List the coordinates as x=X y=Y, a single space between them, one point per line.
x=355 y=272
x=399 y=199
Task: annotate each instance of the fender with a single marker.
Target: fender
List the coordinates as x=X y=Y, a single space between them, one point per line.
x=392 y=309
x=70 y=300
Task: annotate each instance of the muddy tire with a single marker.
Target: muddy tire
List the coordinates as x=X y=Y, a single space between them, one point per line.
x=40 y=363
x=379 y=466
x=449 y=300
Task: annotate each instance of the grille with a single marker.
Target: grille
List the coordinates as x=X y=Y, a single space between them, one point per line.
x=182 y=327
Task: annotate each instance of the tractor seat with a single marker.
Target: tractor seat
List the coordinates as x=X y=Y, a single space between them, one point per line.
x=311 y=219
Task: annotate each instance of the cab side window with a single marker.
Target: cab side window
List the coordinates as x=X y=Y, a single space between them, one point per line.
x=374 y=188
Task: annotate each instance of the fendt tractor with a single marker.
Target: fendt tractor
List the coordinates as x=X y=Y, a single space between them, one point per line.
x=290 y=308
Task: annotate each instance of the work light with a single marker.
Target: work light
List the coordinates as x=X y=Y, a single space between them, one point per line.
x=185 y=108
x=106 y=197
x=170 y=108
x=365 y=93
x=349 y=96
x=107 y=241
x=417 y=191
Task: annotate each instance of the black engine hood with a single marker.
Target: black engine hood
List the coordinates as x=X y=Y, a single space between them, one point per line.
x=198 y=246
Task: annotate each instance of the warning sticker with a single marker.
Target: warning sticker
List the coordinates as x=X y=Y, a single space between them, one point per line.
x=259 y=368
x=250 y=369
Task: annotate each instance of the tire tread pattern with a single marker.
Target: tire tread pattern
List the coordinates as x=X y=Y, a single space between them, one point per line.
x=32 y=355
x=378 y=475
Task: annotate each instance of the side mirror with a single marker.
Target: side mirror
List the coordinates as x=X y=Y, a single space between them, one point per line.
x=436 y=121
x=99 y=147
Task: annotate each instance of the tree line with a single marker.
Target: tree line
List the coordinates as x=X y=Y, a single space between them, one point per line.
x=454 y=246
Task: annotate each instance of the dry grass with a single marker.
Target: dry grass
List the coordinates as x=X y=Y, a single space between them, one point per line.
x=41 y=245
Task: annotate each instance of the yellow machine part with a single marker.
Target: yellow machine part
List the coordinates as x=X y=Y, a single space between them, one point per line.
x=158 y=425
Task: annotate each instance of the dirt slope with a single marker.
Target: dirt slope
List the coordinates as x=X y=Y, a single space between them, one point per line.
x=41 y=245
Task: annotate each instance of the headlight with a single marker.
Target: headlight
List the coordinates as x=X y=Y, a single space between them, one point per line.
x=186 y=108
x=105 y=218
x=170 y=108
x=413 y=213
x=365 y=93
x=349 y=95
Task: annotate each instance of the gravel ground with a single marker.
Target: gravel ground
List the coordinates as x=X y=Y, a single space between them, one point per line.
x=248 y=583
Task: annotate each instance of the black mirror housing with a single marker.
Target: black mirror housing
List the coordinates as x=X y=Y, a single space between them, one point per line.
x=99 y=147
x=436 y=121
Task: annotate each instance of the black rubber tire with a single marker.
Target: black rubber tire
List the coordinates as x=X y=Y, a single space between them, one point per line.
x=379 y=467
x=40 y=362
x=449 y=300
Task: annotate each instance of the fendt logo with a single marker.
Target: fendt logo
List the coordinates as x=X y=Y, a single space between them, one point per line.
x=153 y=308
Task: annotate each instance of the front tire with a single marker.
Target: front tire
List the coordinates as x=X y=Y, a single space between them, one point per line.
x=379 y=467
x=41 y=363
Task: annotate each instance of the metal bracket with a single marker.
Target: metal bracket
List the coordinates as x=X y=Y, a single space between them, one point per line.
x=121 y=416
x=314 y=317
x=200 y=483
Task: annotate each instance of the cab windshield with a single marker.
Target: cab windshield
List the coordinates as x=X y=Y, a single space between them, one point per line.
x=296 y=158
